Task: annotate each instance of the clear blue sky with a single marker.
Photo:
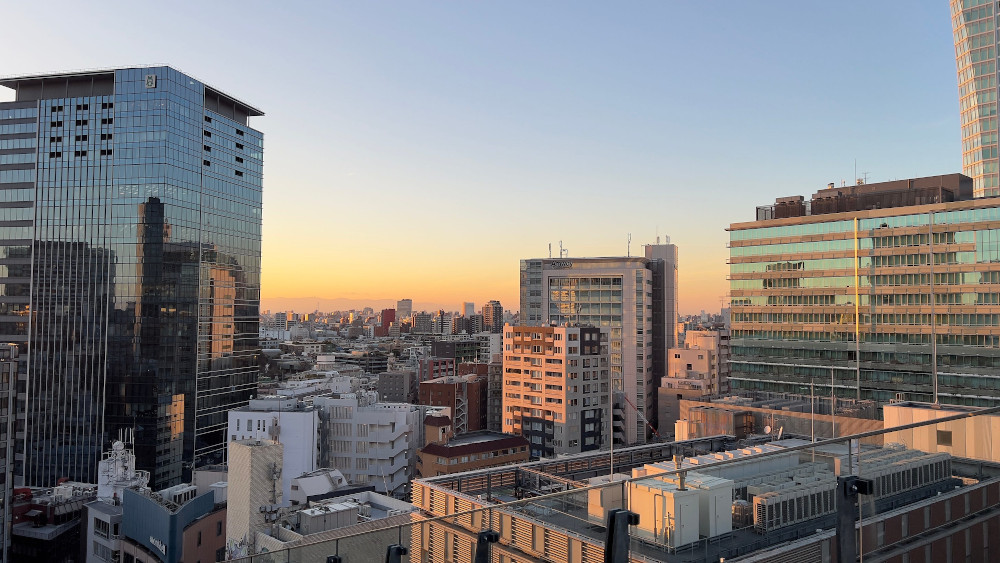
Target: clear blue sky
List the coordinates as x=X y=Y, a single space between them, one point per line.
x=419 y=149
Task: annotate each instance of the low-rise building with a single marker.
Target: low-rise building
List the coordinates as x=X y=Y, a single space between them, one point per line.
x=47 y=522
x=370 y=442
x=463 y=395
x=398 y=386
x=446 y=453
x=287 y=420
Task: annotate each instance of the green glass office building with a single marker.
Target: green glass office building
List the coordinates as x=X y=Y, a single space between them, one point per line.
x=919 y=295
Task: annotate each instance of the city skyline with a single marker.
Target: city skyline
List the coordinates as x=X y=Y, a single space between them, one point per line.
x=409 y=129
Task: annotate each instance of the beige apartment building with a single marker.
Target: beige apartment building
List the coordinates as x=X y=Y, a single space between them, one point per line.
x=692 y=372
x=556 y=388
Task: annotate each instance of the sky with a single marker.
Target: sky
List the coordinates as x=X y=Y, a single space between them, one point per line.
x=421 y=149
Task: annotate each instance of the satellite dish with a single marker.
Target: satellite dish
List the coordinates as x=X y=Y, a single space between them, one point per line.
x=767 y=429
x=118 y=446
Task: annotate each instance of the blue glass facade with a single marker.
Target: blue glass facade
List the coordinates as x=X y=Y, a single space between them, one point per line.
x=131 y=246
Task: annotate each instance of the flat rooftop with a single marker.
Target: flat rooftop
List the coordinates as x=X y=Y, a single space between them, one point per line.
x=98 y=82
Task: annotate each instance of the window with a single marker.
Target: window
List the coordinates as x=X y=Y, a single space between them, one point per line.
x=102 y=528
x=106 y=152
x=238 y=159
x=218 y=528
x=107 y=121
x=199 y=538
x=239 y=146
x=81 y=138
x=55 y=154
x=238 y=173
x=56 y=124
x=237 y=425
x=206 y=163
x=207 y=148
x=80 y=122
x=107 y=105
x=55 y=139
x=208 y=119
x=79 y=153
x=944 y=438
x=102 y=551
x=106 y=136
x=220 y=554
x=240 y=133
x=80 y=107
x=208 y=133
x=56 y=108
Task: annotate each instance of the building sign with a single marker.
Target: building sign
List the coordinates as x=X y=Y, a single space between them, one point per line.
x=158 y=545
x=150 y=81
x=565 y=265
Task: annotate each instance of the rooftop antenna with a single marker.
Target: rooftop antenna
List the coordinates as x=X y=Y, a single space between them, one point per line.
x=628 y=246
x=563 y=252
x=550 y=250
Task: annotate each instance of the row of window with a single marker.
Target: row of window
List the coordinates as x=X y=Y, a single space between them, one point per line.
x=58 y=154
x=59 y=139
x=82 y=107
x=82 y=122
x=19 y=113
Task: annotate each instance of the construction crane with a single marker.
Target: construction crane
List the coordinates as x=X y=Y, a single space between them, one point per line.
x=657 y=434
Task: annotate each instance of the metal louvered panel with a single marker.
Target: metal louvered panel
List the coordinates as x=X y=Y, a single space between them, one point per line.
x=417 y=495
x=556 y=546
x=522 y=534
x=439 y=502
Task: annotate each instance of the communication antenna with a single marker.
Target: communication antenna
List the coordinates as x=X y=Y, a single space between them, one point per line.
x=563 y=252
x=628 y=246
x=550 y=250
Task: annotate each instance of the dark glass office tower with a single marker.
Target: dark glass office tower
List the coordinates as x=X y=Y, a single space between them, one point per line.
x=130 y=217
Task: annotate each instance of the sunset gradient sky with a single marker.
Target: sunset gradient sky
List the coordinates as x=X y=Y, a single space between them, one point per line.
x=420 y=149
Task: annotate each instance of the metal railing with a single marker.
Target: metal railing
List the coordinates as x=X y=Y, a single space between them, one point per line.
x=533 y=520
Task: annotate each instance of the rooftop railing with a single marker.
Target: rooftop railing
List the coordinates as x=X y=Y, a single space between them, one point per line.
x=709 y=499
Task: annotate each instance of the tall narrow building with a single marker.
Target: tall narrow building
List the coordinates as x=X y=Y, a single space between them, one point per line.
x=493 y=317
x=974 y=23
x=635 y=298
x=130 y=217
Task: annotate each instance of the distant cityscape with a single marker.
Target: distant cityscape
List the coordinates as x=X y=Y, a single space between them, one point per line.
x=838 y=406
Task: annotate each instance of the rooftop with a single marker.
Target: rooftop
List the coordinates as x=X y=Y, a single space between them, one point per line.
x=475 y=442
x=90 y=75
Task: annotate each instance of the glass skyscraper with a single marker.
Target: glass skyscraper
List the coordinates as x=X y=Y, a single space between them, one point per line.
x=130 y=240
x=974 y=23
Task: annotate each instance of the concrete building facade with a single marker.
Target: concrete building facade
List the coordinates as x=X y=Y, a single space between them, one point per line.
x=635 y=298
x=286 y=420
x=556 y=388
x=463 y=395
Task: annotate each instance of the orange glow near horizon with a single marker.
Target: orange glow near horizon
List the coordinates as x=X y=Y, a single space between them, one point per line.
x=360 y=278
